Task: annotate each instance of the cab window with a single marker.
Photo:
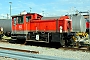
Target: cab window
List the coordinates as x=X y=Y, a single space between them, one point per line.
x=15 y=21
x=87 y=20
x=20 y=19
x=28 y=18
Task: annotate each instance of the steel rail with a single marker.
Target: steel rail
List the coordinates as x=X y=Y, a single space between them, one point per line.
x=84 y=49
x=29 y=51
x=28 y=56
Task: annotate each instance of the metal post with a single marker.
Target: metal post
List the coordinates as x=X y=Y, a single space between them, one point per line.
x=43 y=13
x=30 y=9
x=10 y=9
x=7 y=16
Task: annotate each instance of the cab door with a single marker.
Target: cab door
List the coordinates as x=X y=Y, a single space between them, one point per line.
x=19 y=25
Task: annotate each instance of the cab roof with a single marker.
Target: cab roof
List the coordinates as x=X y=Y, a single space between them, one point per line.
x=26 y=14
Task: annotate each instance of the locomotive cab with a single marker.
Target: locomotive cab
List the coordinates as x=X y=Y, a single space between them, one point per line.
x=21 y=25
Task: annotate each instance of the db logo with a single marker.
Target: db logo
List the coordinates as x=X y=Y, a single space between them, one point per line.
x=20 y=26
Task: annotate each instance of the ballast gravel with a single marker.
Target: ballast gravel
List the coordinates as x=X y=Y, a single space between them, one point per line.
x=6 y=58
x=77 y=55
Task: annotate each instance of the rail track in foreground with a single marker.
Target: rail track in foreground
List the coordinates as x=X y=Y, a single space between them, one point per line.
x=83 y=49
x=57 y=46
x=20 y=50
x=18 y=55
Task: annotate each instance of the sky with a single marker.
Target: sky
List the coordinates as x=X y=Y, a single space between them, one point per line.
x=43 y=7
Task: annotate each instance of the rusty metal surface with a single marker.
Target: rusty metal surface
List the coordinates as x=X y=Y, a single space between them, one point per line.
x=29 y=51
x=83 y=49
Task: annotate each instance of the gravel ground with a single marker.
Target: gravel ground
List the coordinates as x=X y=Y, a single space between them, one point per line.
x=6 y=58
x=78 y=55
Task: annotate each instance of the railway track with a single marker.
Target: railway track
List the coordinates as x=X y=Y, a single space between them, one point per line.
x=83 y=49
x=57 y=46
x=37 y=53
x=17 y=55
x=28 y=51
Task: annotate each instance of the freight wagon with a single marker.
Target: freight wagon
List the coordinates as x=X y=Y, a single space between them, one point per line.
x=6 y=26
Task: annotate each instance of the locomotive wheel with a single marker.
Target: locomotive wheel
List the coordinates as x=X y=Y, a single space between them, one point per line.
x=12 y=41
x=66 y=43
x=88 y=48
x=21 y=41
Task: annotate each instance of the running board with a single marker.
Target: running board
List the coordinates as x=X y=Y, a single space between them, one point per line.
x=36 y=41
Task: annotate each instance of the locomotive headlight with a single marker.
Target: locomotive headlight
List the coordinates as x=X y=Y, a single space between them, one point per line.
x=61 y=29
x=1 y=29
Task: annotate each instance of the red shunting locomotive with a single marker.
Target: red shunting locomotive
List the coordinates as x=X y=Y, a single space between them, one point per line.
x=35 y=27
